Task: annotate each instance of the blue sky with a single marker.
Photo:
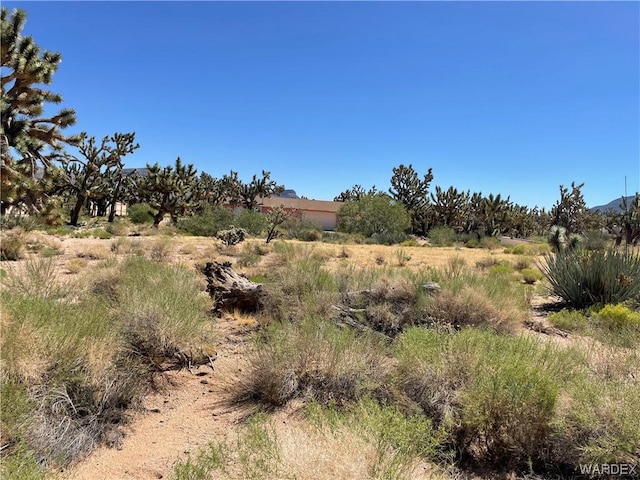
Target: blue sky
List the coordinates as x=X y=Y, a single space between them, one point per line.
x=499 y=97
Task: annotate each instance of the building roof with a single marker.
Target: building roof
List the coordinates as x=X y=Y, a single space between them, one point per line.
x=301 y=204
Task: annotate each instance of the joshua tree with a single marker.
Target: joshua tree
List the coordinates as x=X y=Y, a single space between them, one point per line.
x=247 y=194
x=569 y=211
x=36 y=140
x=83 y=175
x=412 y=192
x=169 y=190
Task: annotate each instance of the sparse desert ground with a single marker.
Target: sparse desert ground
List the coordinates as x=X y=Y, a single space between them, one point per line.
x=187 y=409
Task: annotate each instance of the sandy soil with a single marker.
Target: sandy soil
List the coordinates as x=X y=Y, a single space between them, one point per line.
x=190 y=410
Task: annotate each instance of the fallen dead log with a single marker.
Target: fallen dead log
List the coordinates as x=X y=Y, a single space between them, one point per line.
x=345 y=317
x=231 y=290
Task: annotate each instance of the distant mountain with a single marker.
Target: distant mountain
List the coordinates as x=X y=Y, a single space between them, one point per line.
x=287 y=194
x=140 y=171
x=612 y=205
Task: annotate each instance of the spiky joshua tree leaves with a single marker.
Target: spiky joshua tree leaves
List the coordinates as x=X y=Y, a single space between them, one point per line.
x=169 y=190
x=36 y=140
x=412 y=191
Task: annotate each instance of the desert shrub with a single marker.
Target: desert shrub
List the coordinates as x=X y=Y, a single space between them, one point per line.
x=411 y=242
x=493 y=395
x=597 y=240
x=490 y=243
x=596 y=423
x=531 y=275
x=117 y=228
x=161 y=249
x=75 y=265
x=522 y=262
x=494 y=301
x=254 y=222
x=303 y=229
x=233 y=236
x=316 y=360
x=617 y=317
x=99 y=252
x=487 y=262
x=502 y=268
x=387 y=238
x=374 y=214
x=26 y=222
x=568 y=319
x=441 y=236
x=38 y=278
x=100 y=233
x=209 y=222
x=309 y=235
x=64 y=362
x=302 y=288
x=139 y=214
x=12 y=244
x=472 y=243
x=342 y=238
x=585 y=278
x=402 y=257
x=455 y=266
x=529 y=249
x=70 y=376
x=248 y=258
x=469 y=307
x=160 y=308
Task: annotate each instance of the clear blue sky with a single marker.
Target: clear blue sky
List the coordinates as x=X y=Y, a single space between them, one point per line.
x=499 y=97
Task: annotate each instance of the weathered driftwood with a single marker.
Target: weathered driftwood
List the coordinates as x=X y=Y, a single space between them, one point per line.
x=231 y=290
x=346 y=316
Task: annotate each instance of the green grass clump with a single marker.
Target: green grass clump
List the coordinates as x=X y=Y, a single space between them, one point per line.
x=569 y=319
x=76 y=356
x=585 y=278
x=494 y=395
x=441 y=237
x=531 y=275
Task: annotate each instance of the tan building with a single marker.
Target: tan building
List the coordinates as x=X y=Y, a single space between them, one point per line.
x=321 y=211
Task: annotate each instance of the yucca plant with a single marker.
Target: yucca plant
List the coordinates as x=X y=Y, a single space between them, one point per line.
x=584 y=278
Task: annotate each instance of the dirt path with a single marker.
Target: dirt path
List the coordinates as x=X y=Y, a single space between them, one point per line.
x=191 y=410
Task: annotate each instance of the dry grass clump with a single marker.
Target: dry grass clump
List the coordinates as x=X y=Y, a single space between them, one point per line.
x=161 y=249
x=389 y=305
x=94 y=252
x=37 y=277
x=74 y=360
x=470 y=308
x=317 y=361
x=299 y=289
x=76 y=265
x=364 y=443
x=43 y=244
x=12 y=244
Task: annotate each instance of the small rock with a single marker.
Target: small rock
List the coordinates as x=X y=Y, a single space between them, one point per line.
x=431 y=287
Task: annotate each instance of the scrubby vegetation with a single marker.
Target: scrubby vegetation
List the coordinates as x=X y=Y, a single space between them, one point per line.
x=68 y=378
x=583 y=278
